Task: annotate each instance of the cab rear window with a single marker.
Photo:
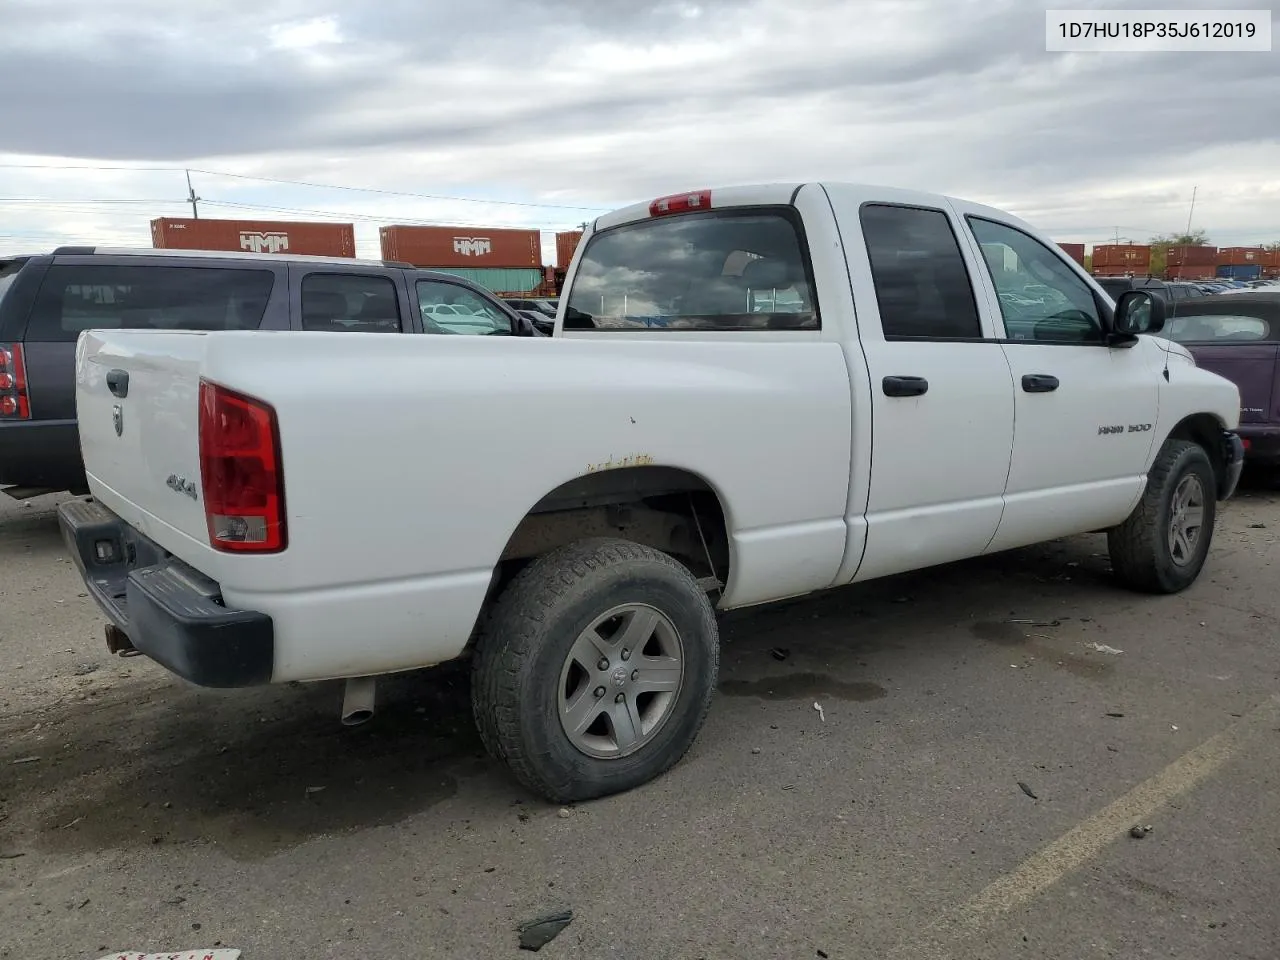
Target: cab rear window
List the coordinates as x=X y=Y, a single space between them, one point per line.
x=76 y=297
x=715 y=270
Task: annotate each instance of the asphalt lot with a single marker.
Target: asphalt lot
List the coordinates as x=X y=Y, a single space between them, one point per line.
x=137 y=812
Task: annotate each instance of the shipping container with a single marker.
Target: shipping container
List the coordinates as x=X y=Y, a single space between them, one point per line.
x=462 y=246
x=1190 y=272
x=1240 y=271
x=1075 y=251
x=499 y=279
x=1118 y=270
x=1131 y=256
x=1192 y=256
x=1239 y=256
x=566 y=244
x=1270 y=258
x=255 y=236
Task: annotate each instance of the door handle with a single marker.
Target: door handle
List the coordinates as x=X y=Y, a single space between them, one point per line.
x=1039 y=383
x=904 y=386
x=118 y=383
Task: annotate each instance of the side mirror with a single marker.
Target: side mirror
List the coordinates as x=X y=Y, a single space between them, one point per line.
x=523 y=326
x=1138 y=311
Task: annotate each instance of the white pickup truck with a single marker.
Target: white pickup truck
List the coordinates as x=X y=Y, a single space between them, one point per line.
x=751 y=394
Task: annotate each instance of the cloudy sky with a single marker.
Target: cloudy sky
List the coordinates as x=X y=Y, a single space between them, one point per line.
x=542 y=114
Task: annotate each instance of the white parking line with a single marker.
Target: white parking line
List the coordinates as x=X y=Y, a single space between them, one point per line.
x=1087 y=839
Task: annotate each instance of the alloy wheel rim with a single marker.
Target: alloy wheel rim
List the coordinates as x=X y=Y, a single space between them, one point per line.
x=620 y=681
x=1186 y=519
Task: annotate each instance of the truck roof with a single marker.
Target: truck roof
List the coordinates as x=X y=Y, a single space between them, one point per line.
x=784 y=193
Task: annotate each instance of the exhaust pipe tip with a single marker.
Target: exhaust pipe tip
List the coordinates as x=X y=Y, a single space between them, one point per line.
x=357 y=700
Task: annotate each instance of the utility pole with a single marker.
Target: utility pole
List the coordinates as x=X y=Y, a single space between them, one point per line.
x=192 y=198
x=1192 y=210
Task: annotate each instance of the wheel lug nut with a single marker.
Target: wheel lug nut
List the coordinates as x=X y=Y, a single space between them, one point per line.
x=619 y=698
x=626 y=654
x=603 y=664
x=635 y=675
x=599 y=692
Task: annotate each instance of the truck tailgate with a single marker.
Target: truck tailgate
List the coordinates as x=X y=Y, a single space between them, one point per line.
x=137 y=401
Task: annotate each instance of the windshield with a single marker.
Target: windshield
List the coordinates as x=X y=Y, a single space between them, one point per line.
x=721 y=270
x=1226 y=328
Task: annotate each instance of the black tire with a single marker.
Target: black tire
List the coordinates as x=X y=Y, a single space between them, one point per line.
x=1141 y=548
x=526 y=639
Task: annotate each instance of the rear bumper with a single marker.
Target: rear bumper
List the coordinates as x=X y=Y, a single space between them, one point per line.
x=41 y=453
x=1262 y=443
x=169 y=611
x=1233 y=453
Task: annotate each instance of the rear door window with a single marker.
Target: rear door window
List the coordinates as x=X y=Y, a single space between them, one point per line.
x=450 y=308
x=350 y=303
x=76 y=297
x=718 y=270
x=921 y=282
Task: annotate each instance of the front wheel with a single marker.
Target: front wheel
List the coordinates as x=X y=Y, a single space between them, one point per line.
x=595 y=669
x=1163 y=544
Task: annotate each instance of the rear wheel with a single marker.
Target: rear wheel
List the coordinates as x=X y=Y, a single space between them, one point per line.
x=1162 y=546
x=595 y=669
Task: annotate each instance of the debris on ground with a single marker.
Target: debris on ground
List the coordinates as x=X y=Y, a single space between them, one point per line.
x=1138 y=832
x=780 y=653
x=1257 y=526
x=755 y=750
x=25 y=760
x=11 y=856
x=1103 y=648
x=1115 y=714
x=1027 y=790
x=565 y=813
x=537 y=933
x=821 y=715
x=212 y=953
x=84 y=669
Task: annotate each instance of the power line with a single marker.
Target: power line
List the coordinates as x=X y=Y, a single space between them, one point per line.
x=300 y=183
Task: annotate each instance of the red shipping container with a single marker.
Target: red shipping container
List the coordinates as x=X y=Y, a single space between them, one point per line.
x=255 y=236
x=1075 y=251
x=1190 y=273
x=566 y=244
x=1192 y=256
x=1132 y=256
x=1118 y=270
x=1239 y=256
x=462 y=246
x=1270 y=258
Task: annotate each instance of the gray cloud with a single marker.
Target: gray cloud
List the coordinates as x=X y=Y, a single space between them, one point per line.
x=610 y=100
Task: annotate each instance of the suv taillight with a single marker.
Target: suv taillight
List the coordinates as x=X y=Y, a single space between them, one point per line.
x=241 y=475
x=14 y=402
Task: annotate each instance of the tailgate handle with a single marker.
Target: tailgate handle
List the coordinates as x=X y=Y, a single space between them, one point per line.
x=118 y=383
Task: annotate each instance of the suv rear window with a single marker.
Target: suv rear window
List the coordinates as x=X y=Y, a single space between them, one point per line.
x=8 y=273
x=76 y=297
x=717 y=270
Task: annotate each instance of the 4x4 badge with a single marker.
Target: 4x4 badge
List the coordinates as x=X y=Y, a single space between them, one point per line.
x=117 y=418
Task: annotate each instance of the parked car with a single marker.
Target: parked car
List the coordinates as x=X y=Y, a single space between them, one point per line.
x=1171 y=290
x=1239 y=338
x=702 y=451
x=47 y=300
x=543 y=305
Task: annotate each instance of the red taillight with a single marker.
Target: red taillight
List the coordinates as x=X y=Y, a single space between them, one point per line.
x=680 y=203
x=14 y=402
x=240 y=472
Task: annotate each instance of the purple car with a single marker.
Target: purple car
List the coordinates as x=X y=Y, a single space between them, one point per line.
x=1238 y=337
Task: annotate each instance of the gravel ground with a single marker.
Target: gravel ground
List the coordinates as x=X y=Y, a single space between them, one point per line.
x=990 y=731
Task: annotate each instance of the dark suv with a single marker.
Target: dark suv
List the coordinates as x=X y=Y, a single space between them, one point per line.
x=47 y=300
x=1171 y=290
